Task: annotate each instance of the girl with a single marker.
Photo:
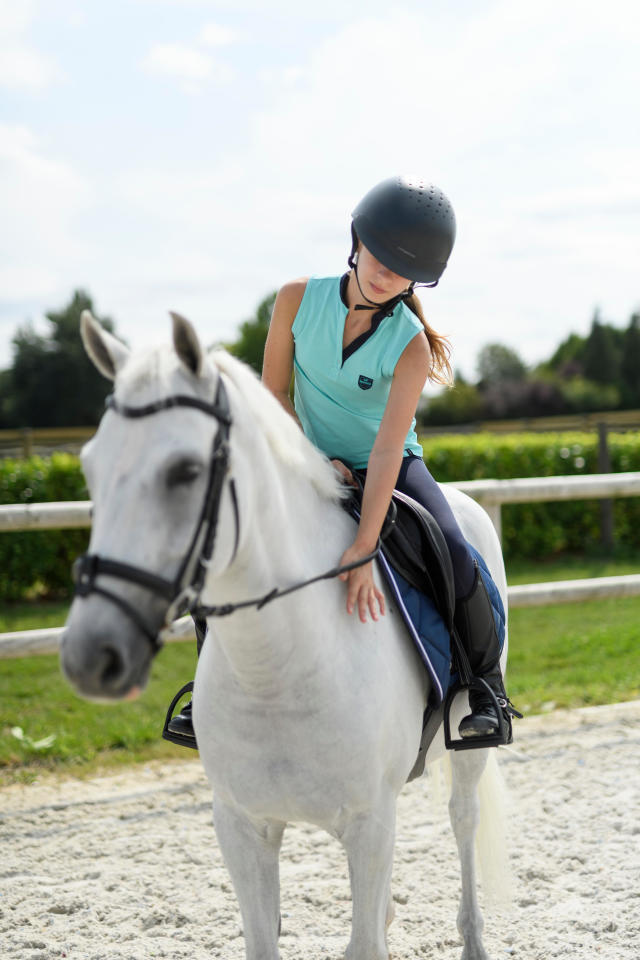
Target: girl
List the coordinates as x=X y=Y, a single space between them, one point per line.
x=361 y=351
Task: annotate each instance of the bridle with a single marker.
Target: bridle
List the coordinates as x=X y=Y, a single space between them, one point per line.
x=183 y=592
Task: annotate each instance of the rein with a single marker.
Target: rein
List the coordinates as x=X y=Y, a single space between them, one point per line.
x=185 y=589
x=259 y=602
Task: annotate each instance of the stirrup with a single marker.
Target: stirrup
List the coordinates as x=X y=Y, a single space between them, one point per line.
x=178 y=738
x=500 y=738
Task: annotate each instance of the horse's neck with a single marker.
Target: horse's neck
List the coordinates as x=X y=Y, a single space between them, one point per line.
x=294 y=535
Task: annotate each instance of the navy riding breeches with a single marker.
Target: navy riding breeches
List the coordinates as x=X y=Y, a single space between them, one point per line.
x=415 y=480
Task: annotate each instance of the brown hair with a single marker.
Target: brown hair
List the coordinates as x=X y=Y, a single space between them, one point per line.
x=441 y=371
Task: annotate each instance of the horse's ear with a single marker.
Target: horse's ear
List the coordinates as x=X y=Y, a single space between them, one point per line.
x=107 y=353
x=186 y=343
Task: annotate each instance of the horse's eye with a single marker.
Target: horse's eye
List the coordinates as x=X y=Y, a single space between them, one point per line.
x=183 y=473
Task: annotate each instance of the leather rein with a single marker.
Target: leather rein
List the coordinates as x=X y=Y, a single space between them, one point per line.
x=183 y=592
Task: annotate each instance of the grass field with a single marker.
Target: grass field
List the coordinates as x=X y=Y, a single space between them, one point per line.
x=566 y=655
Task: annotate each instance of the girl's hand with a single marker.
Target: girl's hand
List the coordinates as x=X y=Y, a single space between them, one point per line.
x=361 y=590
x=344 y=472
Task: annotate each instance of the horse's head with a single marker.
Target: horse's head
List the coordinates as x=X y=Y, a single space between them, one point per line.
x=157 y=464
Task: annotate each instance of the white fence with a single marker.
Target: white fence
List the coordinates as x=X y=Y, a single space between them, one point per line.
x=492 y=494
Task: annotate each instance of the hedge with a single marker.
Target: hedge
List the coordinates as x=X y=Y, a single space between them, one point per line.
x=39 y=563
x=537 y=530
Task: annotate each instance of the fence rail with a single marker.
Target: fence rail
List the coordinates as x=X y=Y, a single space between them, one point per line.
x=492 y=494
x=612 y=420
x=27 y=440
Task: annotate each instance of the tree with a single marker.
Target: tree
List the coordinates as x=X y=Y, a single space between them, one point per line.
x=602 y=353
x=461 y=403
x=568 y=359
x=52 y=382
x=253 y=333
x=499 y=364
x=7 y=419
x=585 y=396
x=630 y=364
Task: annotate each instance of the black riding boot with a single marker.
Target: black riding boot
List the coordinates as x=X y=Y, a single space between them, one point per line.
x=476 y=629
x=181 y=726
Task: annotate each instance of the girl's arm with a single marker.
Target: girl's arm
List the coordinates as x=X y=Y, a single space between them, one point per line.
x=411 y=372
x=277 y=366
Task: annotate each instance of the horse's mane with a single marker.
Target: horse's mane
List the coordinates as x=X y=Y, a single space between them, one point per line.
x=285 y=438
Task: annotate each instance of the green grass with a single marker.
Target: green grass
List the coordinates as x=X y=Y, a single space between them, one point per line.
x=35 y=697
x=565 y=655
x=33 y=616
x=574 y=655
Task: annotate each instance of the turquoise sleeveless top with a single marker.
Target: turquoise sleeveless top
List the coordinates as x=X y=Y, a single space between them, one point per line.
x=340 y=404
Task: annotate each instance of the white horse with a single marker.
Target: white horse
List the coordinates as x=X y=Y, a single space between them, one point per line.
x=302 y=713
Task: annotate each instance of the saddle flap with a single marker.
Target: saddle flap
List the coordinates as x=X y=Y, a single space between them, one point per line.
x=417 y=549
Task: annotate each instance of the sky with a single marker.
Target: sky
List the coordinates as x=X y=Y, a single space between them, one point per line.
x=193 y=155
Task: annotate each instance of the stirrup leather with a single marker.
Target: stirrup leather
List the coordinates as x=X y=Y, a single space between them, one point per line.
x=178 y=738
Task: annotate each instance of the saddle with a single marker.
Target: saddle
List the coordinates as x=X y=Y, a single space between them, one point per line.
x=416 y=563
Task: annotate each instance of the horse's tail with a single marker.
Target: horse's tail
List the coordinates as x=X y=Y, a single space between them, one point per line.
x=491 y=838
x=492 y=852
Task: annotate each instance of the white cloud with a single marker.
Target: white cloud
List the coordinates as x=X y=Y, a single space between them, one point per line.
x=15 y=17
x=192 y=68
x=176 y=60
x=214 y=35
x=21 y=65
x=40 y=197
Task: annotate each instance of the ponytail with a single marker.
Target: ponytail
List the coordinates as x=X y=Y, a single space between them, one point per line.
x=441 y=371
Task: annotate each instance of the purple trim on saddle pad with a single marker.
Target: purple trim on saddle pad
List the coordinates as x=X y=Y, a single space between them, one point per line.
x=426 y=628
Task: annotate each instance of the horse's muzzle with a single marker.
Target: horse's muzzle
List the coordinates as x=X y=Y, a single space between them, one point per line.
x=104 y=658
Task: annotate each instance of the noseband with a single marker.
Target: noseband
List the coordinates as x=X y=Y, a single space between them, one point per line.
x=183 y=591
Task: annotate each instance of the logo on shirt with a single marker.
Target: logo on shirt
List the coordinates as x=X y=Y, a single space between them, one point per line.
x=365 y=383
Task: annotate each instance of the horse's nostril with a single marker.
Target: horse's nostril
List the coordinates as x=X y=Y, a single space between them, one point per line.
x=112 y=667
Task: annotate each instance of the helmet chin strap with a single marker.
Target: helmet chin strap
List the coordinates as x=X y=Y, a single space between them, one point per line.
x=363 y=306
x=389 y=305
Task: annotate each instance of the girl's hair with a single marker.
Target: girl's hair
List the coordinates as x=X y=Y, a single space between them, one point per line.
x=441 y=371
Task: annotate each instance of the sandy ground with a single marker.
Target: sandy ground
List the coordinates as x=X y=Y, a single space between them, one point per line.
x=127 y=866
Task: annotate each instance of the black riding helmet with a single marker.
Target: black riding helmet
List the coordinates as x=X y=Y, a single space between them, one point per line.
x=408 y=225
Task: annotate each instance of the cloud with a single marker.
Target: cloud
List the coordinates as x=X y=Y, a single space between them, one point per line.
x=192 y=68
x=214 y=35
x=40 y=197
x=22 y=67
x=176 y=60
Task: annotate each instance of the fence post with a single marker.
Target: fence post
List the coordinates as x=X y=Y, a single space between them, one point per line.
x=495 y=513
x=27 y=442
x=606 y=506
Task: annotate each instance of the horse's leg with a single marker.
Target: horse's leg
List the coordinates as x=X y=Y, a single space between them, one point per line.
x=464 y=809
x=250 y=850
x=369 y=842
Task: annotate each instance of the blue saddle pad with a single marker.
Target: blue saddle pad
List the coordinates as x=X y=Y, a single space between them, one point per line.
x=427 y=628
